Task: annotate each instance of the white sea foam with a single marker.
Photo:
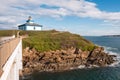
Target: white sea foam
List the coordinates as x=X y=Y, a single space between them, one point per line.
x=81 y=66
x=110 y=50
x=117 y=63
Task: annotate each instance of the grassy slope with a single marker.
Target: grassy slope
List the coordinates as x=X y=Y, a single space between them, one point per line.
x=53 y=40
x=7 y=32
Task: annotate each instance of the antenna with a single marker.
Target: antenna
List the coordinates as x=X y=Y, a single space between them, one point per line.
x=29 y=18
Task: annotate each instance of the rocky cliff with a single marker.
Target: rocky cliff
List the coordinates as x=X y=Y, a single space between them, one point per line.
x=58 y=51
x=61 y=60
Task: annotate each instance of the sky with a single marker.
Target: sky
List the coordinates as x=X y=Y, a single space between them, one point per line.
x=84 y=17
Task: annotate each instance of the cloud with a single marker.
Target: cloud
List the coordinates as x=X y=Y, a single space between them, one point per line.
x=13 y=12
x=96 y=32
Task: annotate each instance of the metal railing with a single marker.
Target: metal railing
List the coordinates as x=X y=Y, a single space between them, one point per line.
x=6 y=49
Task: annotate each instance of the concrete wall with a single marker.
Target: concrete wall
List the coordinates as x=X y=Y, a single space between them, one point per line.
x=13 y=65
x=33 y=28
x=38 y=28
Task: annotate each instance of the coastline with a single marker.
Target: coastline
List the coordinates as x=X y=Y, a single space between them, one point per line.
x=63 y=60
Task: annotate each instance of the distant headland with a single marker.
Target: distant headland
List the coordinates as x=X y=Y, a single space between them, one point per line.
x=111 y=36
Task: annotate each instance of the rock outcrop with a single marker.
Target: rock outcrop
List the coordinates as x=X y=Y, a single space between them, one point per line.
x=60 y=60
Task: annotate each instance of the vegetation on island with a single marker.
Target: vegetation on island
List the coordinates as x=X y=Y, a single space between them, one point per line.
x=54 y=40
x=4 y=33
x=59 y=51
x=50 y=40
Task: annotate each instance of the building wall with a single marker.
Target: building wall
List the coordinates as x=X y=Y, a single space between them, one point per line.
x=29 y=27
x=33 y=28
x=22 y=28
x=38 y=28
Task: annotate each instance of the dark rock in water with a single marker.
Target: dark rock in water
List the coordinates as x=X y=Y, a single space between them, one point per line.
x=61 y=60
x=76 y=51
x=100 y=58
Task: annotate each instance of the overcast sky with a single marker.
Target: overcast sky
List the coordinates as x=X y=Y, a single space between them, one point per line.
x=84 y=17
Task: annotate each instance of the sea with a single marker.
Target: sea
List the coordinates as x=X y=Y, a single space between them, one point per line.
x=111 y=72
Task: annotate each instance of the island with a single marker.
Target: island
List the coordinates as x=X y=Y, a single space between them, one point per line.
x=54 y=51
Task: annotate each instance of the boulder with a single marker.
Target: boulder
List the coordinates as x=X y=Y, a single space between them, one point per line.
x=76 y=51
x=85 y=54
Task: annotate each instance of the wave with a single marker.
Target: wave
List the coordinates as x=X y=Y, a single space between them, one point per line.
x=81 y=66
x=111 y=48
x=110 y=51
x=113 y=51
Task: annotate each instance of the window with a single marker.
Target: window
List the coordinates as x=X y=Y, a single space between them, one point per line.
x=34 y=27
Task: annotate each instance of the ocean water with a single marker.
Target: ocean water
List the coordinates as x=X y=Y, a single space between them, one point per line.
x=112 y=72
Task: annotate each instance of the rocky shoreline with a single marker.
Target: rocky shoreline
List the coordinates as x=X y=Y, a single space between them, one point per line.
x=61 y=60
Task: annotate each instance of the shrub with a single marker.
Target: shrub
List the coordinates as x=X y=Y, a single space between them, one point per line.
x=54 y=40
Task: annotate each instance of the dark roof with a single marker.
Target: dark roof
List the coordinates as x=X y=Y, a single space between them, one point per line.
x=30 y=24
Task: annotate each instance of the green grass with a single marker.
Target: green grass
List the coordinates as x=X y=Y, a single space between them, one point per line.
x=54 y=40
x=4 y=33
x=51 y=40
